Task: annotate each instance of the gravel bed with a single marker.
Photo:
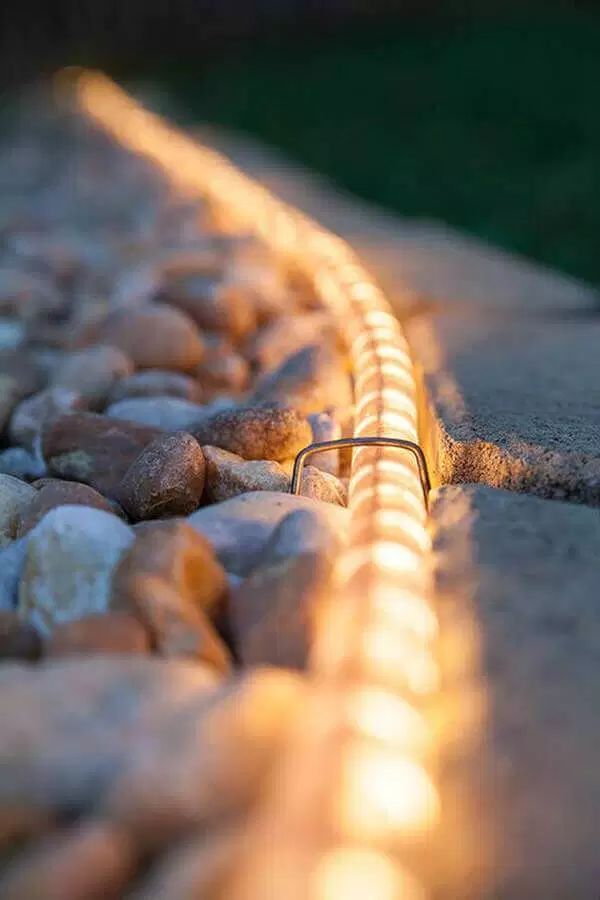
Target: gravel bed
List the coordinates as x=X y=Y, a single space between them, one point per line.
x=158 y=583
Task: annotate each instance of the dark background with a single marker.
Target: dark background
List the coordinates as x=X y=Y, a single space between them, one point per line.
x=485 y=115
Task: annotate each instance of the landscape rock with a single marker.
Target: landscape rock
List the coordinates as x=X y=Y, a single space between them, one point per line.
x=25 y=294
x=22 y=463
x=323 y=486
x=157 y=383
x=325 y=427
x=12 y=560
x=228 y=475
x=110 y=632
x=18 y=639
x=59 y=493
x=91 y=861
x=154 y=336
x=239 y=528
x=71 y=727
x=15 y=496
x=224 y=752
x=222 y=371
x=92 y=372
x=221 y=306
x=171 y=581
x=68 y=567
x=269 y=347
x=167 y=413
x=310 y=380
x=255 y=432
x=517 y=586
x=33 y=414
x=272 y=613
x=96 y=450
x=166 y=479
x=19 y=377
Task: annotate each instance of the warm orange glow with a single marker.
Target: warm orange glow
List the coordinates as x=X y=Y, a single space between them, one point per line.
x=374 y=666
x=384 y=795
x=361 y=874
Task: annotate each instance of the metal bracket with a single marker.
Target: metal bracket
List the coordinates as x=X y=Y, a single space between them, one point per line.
x=410 y=446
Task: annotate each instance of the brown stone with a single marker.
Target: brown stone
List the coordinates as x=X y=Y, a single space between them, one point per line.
x=310 y=380
x=94 y=449
x=166 y=479
x=18 y=639
x=92 y=372
x=256 y=432
x=33 y=414
x=72 y=726
x=154 y=336
x=286 y=335
x=171 y=580
x=92 y=861
x=222 y=306
x=59 y=493
x=272 y=612
x=111 y=632
x=222 y=371
x=228 y=475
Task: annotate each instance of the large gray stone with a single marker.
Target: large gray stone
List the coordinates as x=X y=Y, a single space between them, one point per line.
x=518 y=595
x=513 y=403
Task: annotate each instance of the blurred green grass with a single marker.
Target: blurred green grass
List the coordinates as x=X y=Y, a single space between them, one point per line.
x=493 y=126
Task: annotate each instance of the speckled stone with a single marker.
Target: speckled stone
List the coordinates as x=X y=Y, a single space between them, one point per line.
x=228 y=475
x=68 y=566
x=269 y=432
x=94 y=449
x=15 y=497
x=166 y=479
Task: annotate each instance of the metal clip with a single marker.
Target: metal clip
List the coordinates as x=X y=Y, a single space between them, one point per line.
x=412 y=448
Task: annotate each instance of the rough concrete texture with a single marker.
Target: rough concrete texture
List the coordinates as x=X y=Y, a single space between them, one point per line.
x=518 y=583
x=513 y=403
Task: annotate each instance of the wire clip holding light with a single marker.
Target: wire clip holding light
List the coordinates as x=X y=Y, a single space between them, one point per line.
x=340 y=443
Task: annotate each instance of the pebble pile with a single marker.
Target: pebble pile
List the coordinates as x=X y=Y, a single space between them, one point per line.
x=158 y=583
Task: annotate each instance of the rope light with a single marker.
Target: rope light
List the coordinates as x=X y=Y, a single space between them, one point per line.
x=355 y=801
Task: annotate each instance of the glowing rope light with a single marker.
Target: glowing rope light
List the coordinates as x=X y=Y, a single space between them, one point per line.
x=356 y=781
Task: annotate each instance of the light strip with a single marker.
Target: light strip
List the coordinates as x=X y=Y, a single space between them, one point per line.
x=355 y=801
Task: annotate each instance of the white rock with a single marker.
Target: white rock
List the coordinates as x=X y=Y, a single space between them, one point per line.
x=71 y=554
x=15 y=496
x=239 y=528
